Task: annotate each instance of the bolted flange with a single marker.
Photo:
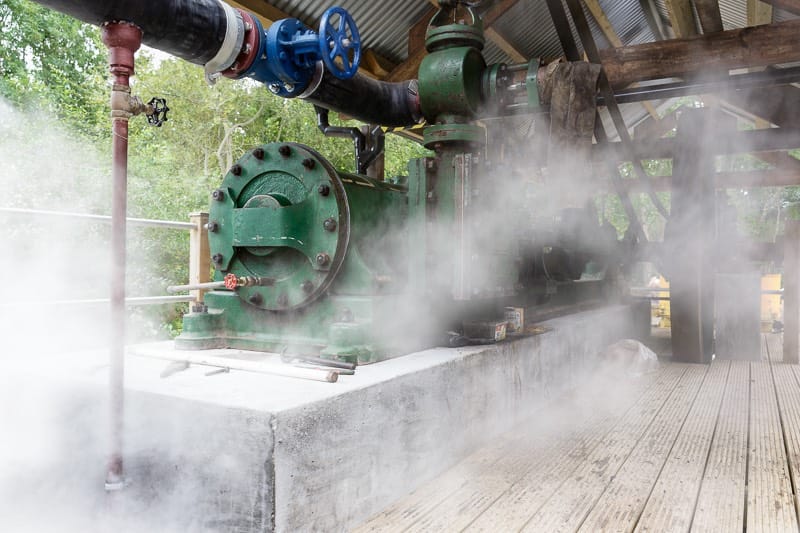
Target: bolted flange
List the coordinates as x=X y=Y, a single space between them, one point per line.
x=286 y=218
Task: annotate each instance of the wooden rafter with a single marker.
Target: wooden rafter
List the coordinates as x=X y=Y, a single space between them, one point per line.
x=653 y=19
x=709 y=15
x=739 y=48
x=681 y=17
x=505 y=45
x=610 y=33
x=408 y=68
x=758 y=13
x=792 y=6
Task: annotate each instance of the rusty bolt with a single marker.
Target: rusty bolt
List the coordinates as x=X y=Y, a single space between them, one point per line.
x=255 y=299
x=324 y=189
x=323 y=259
x=307 y=286
x=217 y=258
x=218 y=195
x=309 y=163
x=283 y=299
x=236 y=170
x=258 y=153
x=329 y=224
x=213 y=226
x=285 y=151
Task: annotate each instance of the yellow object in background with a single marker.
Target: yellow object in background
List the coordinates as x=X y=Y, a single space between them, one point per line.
x=771 y=308
x=659 y=309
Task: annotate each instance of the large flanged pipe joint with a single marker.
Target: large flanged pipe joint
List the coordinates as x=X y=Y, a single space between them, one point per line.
x=285 y=56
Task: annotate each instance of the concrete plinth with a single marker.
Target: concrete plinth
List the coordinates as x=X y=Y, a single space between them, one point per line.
x=242 y=451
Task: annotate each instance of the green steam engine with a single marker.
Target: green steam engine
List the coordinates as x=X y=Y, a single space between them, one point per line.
x=319 y=261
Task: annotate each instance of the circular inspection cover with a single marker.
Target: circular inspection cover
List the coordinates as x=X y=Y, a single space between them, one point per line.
x=281 y=216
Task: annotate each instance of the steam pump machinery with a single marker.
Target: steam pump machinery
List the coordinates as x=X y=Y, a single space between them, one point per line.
x=322 y=261
x=314 y=260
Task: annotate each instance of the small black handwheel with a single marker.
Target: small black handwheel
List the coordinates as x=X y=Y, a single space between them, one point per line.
x=158 y=115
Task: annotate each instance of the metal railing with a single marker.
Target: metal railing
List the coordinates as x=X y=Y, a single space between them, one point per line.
x=199 y=266
x=647 y=292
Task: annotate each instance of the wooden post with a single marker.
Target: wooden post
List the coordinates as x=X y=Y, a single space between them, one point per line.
x=689 y=239
x=791 y=293
x=199 y=255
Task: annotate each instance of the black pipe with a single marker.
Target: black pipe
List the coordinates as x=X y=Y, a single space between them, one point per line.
x=190 y=29
x=368 y=100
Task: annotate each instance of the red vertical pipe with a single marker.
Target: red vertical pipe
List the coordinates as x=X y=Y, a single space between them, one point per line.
x=122 y=40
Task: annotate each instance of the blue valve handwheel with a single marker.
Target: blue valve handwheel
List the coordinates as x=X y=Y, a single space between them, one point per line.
x=339 y=39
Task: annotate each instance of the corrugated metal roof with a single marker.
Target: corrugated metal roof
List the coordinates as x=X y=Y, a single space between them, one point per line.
x=383 y=25
x=527 y=26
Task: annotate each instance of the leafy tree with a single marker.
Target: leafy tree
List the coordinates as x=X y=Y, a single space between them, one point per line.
x=53 y=62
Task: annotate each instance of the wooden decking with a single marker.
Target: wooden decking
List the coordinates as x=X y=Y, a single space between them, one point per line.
x=685 y=448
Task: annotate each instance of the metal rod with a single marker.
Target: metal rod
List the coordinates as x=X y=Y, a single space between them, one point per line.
x=666 y=289
x=321 y=361
x=196 y=286
x=129 y=302
x=170 y=224
x=328 y=376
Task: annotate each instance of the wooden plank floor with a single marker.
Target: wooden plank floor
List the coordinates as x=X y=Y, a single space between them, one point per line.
x=685 y=448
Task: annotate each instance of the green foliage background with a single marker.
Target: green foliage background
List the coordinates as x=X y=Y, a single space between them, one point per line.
x=54 y=69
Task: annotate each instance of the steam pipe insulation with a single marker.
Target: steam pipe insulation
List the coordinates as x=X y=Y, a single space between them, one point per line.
x=193 y=30
x=365 y=99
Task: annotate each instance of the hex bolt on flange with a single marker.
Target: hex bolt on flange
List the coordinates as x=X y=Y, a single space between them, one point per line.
x=213 y=226
x=329 y=224
x=284 y=150
x=324 y=189
x=258 y=153
x=217 y=258
x=236 y=170
x=309 y=163
x=218 y=195
x=307 y=286
x=323 y=259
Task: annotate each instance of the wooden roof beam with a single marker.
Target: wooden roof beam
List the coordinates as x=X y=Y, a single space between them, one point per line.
x=653 y=18
x=681 y=17
x=709 y=15
x=610 y=33
x=758 y=13
x=692 y=57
